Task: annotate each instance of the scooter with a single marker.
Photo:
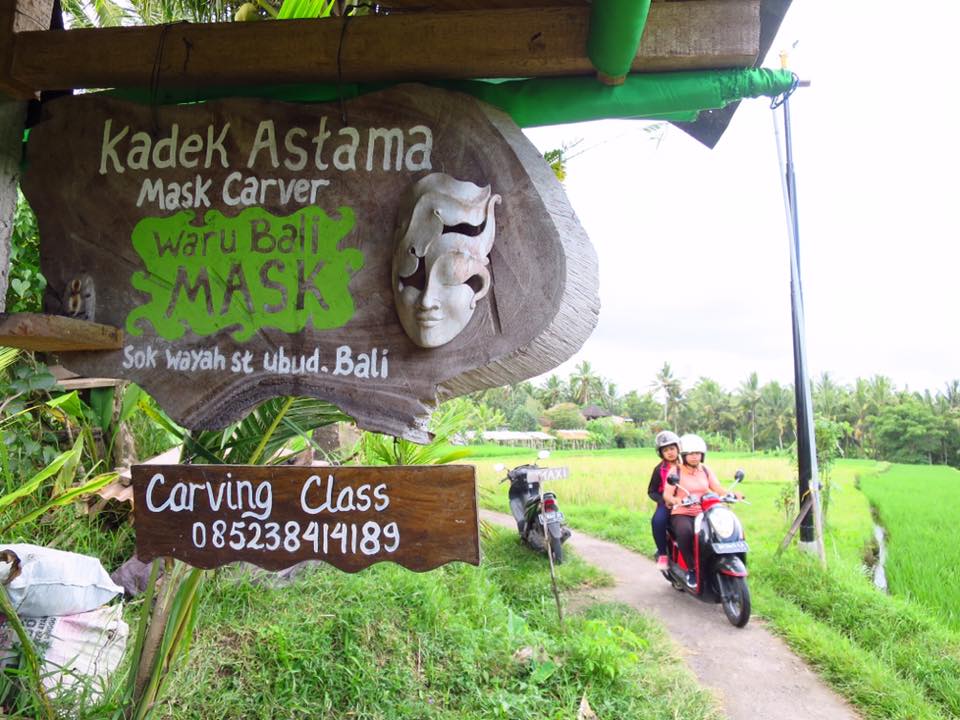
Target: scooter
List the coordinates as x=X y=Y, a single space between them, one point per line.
x=537 y=522
x=720 y=554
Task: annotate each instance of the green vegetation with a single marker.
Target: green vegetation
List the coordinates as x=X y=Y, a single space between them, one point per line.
x=870 y=419
x=917 y=508
x=887 y=654
x=459 y=642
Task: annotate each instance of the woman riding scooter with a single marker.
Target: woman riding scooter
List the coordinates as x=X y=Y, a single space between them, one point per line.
x=668 y=448
x=695 y=480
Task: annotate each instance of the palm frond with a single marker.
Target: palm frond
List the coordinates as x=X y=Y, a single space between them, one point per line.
x=266 y=430
x=8 y=356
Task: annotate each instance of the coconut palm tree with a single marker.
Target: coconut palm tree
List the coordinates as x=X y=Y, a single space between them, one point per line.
x=110 y=13
x=672 y=391
x=584 y=383
x=748 y=395
x=776 y=409
x=554 y=390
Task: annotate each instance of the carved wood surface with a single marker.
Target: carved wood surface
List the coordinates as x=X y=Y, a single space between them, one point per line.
x=351 y=517
x=332 y=330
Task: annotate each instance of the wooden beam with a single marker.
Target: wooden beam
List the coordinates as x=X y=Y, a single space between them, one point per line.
x=498 y=43
x=54 y=333
x=18 y=16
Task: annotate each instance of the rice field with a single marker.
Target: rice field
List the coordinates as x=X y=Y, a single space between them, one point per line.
x=917 y=506
x=606 y=494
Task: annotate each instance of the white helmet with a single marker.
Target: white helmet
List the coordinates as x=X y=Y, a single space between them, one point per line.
x=691 y=443
x=665 y=438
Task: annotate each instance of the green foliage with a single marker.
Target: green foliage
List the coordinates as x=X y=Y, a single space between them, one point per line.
x=625 y=436
x=523 y=419
x=909 y=432
x=26 y=283
x=642 y=408
x=603 y=432
x=871 y=419
x=565 y=416
x=392 y=644
x=29 y=432
x=448 y=420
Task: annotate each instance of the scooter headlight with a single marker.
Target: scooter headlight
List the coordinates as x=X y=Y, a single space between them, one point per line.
x=724 y=524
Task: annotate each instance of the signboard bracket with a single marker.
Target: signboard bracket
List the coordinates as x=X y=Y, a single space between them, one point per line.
x=56 y=333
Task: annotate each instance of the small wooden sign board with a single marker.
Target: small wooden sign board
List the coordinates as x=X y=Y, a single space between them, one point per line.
x=542 y=475
x=277 y=516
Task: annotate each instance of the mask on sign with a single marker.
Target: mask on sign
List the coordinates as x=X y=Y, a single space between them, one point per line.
x=447 y=229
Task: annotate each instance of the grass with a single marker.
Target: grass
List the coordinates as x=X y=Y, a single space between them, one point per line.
x=390 y=643
x=888 y=655
x=913 y=503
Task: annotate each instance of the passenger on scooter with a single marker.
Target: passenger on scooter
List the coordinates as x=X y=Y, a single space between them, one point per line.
x=695 y=480
x=668 y=448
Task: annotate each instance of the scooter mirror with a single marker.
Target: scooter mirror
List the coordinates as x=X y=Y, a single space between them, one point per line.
x=738 y=476
x=673 y=480
x=499 y=467
x=543 y=454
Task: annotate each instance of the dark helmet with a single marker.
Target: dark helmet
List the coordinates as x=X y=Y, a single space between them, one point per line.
x=665 y=438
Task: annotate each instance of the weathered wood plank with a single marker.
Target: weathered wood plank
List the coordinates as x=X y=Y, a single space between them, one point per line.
x=54 y=333
x=277 y=516
x=18 y=16
x=527 y=42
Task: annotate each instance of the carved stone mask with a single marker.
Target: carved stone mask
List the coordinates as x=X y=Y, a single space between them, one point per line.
x=446 y=228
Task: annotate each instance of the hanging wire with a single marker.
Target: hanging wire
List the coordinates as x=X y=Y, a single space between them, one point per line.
x=348 y=13
x=780 y=99
x=155 y=75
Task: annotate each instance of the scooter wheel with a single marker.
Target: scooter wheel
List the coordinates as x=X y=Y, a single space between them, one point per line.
x=735 y=596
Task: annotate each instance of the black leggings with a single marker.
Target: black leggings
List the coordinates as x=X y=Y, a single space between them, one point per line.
x=683 y=532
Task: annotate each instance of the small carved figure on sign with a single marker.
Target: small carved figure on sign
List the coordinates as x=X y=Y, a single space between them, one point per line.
x=79 y=298
x=446 y=229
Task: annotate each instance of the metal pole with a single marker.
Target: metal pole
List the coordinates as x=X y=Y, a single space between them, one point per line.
x=811 y=527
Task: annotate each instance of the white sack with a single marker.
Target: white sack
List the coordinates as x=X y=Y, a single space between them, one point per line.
x=79 y=652
x=55 y=582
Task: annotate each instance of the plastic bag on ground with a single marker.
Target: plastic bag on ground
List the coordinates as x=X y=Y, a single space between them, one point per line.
x=55 y=582
x=79 y=652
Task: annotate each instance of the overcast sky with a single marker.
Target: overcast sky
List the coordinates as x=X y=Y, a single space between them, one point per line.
x=694 y=264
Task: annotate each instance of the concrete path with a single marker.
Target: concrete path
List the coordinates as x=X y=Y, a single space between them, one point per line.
x=752 y=672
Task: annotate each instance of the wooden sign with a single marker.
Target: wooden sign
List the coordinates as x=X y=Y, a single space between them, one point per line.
x=374 y=253
x=277 y=516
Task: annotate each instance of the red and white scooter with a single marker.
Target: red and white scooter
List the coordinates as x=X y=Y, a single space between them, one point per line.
x=720 y=554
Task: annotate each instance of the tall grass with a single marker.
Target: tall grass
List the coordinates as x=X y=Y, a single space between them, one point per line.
x=458 y=642
x=919 y=507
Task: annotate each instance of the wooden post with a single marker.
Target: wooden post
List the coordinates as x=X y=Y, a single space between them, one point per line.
x=15 y=16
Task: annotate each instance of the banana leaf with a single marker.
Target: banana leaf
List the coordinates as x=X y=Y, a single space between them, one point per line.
x=302 y=9
x=63 y=499
x=31 y=485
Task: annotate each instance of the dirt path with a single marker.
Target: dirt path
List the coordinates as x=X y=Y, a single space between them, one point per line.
x=752 y=672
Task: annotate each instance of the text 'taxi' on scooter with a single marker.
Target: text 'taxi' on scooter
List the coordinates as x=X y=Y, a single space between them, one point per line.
x=720 y=554
x=532 y=517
